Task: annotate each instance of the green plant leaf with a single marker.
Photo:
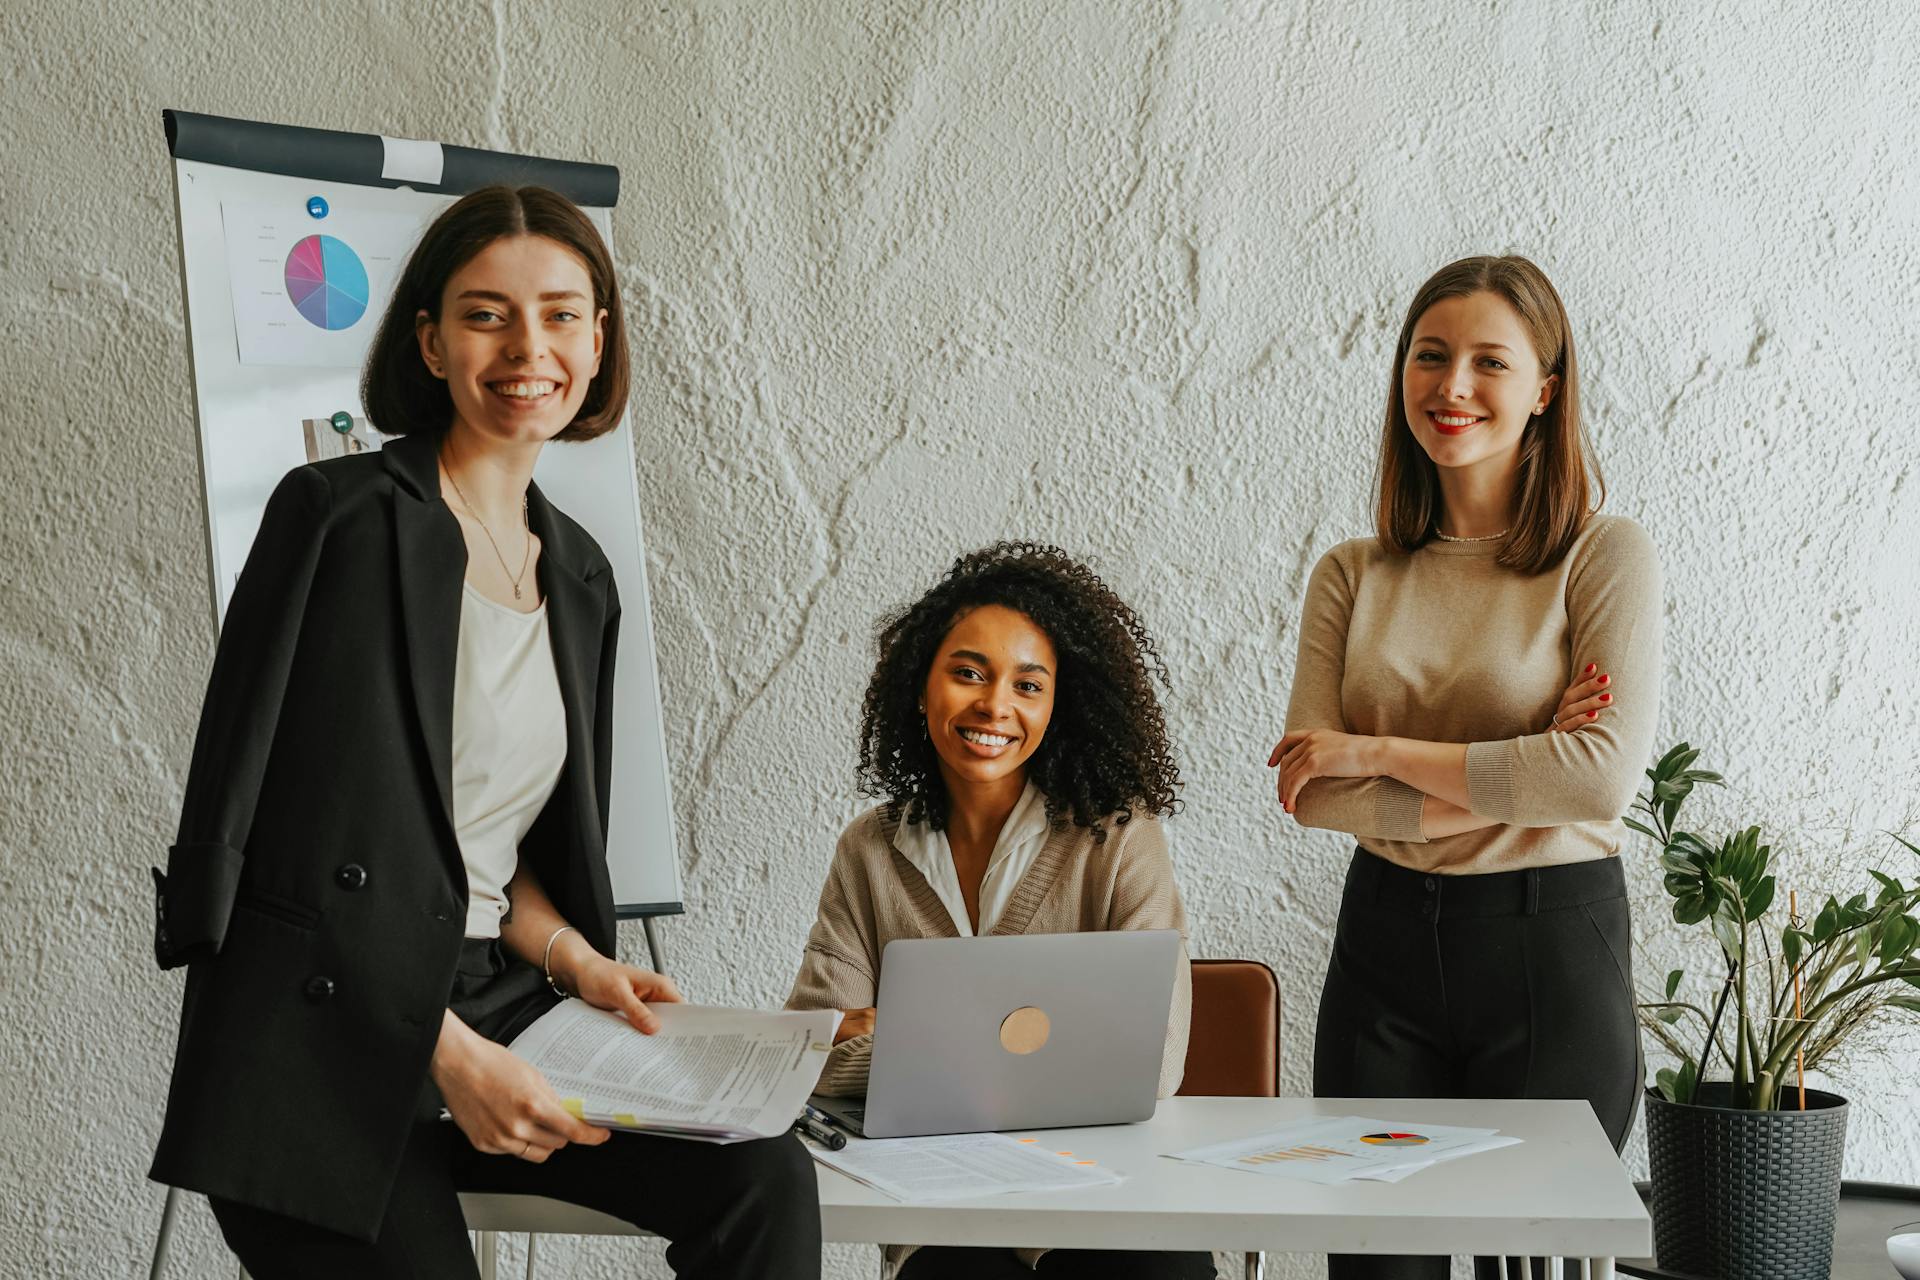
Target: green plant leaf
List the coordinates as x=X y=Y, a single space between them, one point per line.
x=1910 y=1003
x=1793 y=945
x=1643 y=829
x=1760 y=899
x=1897 y=937
x=1727 y=930
x=1666 y=1079
x=1693 y=845
x=1673 y=981
x=1826 y=923
x=1691 y=908
x=1670 y=1015
x=1863 y=948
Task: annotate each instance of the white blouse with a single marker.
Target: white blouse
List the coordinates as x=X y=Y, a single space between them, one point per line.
x=509 y=745
x=1021 y=838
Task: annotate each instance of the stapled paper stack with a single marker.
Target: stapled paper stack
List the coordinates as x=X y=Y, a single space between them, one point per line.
x=720 y=1075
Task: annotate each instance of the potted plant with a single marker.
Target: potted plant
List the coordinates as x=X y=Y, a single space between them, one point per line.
x=1746 y=1168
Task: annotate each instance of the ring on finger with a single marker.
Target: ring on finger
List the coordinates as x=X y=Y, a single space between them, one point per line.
x=527 y=1149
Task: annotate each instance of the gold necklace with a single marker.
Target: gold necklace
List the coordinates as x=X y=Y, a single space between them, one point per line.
x=524 y=555
x=1485 y=537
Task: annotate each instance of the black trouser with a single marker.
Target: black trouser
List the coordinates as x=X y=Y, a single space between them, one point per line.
x=743 y=1209
x=944 y=1263
x=1513 y=984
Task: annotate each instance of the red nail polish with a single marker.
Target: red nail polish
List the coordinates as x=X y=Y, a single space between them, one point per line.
x=1604 y=679
x=1606 y=697
x=1593 y=715
x=1589 y=668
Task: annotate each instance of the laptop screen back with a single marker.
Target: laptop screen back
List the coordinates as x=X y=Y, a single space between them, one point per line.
x=1029 y=1032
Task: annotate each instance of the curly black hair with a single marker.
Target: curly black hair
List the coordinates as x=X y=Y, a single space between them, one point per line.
x=1105 y=752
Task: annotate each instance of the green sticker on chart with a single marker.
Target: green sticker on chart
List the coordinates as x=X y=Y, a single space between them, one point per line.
x=342 y=422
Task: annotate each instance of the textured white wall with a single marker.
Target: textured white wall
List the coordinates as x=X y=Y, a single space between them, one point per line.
x=909 y=277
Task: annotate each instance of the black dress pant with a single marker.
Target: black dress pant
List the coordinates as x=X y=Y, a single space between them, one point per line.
x=1512 y=984
x=742 y=1209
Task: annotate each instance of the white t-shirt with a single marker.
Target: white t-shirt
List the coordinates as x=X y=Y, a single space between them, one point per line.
x=509 y=745
x=1021 y=838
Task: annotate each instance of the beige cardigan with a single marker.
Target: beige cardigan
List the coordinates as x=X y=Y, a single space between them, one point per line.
x=874 y=895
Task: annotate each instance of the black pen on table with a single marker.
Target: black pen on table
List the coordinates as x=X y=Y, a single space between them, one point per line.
x=824 y=1134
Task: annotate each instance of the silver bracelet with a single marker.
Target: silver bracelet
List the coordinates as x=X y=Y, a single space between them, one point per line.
x=546 y=962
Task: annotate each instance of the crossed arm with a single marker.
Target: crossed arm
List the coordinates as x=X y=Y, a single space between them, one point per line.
x=1435 y=770
x=1583 y=765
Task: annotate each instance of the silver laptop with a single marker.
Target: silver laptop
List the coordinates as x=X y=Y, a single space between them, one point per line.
x=1040 y=1031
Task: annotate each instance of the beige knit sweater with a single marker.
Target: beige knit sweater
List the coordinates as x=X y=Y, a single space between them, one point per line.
x=1444 y=645
x=874 y=895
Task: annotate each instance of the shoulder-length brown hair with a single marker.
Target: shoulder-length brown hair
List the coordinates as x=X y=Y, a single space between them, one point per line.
x=1555 y=498
x=398 y=391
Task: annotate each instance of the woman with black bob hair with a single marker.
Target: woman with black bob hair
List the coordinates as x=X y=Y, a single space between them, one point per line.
x=392 y=849
x=1013 y=732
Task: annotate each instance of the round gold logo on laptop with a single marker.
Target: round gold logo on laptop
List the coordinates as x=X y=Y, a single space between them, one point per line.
x=1025 y=1029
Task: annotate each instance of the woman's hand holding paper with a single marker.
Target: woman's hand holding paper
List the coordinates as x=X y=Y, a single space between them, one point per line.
x=501 y=1103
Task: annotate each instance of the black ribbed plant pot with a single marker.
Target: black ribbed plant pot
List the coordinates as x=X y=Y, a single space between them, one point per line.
x=1746 y=1195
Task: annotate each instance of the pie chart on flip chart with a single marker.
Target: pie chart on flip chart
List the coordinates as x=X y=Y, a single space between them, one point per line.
x=327 y=282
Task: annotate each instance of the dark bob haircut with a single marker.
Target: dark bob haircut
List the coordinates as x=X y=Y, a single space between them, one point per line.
x=400 y=394
x=1105 y=753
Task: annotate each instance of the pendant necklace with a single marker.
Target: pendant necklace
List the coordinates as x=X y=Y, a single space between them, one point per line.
x=524 y=524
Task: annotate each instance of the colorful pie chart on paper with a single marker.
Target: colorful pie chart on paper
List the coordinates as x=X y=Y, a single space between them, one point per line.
x=327 y=282
x=1394 y=1139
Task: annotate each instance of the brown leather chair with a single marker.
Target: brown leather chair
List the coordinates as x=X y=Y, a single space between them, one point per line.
x=1233 y=1046
x=1233 y=1041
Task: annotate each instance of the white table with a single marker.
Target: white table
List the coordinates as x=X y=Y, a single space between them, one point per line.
x=1560 y=1192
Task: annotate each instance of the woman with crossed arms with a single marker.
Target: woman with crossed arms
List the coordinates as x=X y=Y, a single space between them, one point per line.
x=1474 y=702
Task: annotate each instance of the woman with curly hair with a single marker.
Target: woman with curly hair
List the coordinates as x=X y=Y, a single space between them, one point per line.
x=1013 y=732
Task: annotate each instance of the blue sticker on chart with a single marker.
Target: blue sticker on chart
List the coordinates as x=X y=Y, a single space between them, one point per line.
x=317 y=206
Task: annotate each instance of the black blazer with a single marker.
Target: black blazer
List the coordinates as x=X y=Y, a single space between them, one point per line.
x=316 y=890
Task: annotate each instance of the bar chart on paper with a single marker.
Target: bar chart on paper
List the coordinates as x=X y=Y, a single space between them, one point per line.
x=1291 y=1153
x=327 y=282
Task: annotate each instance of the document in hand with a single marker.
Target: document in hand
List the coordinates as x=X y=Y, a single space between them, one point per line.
x=720 y=1075
x=1342 y=1148
x=962 y=1166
